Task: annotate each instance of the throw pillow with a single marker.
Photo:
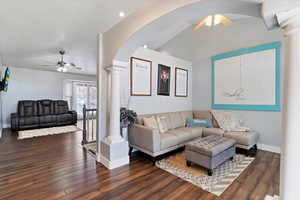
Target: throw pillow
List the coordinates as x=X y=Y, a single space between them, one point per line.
x=227 y=121
x=199 y=123
x=150 y=122
x=162 y=124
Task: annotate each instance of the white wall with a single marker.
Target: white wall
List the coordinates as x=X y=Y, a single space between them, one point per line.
x=28 y=84
x=199 y=46
x=157 y=103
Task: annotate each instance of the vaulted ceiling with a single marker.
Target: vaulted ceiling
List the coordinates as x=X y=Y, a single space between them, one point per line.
x=32 y=31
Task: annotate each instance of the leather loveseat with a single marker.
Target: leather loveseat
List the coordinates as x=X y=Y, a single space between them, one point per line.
x=42 y=114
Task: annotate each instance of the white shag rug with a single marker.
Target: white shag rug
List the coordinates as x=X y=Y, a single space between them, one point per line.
x=46 y=131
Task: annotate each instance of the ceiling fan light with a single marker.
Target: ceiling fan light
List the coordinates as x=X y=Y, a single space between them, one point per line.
x=209 y=20
x=62 y=69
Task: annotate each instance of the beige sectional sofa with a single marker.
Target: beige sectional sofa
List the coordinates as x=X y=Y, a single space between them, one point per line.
x=154 y=143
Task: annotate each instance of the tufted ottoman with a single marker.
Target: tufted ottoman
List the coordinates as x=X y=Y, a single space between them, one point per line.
x=209 y=152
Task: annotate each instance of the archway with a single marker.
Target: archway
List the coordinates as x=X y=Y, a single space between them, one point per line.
x=146 y=25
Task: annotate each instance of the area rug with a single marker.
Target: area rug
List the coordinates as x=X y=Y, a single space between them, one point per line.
x=92 y=147
x=46 y=131
x=222 y=177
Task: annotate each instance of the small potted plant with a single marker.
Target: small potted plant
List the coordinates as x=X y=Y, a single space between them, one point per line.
x=127 y=119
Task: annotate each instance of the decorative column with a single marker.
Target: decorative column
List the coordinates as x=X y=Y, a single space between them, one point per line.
x=290 y=150
x=114 y=149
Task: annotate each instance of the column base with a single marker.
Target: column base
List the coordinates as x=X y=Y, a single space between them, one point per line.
x=114 y=155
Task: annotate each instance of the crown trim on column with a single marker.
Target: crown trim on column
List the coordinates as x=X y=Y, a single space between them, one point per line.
x=289 y=20
x=114 y=68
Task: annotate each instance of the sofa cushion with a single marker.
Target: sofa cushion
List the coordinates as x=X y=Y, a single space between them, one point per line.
x=176 y=120
x=27 y=108
x=194 y=132
x=63 y=118
x=61 y=107
x=45 y=107
x=150 y=122
x=243 y=138
x=168 y=140
x=167 y=118
x=29 y=121
x=185 y=115
x=213 y=131
x=162 y=124
x=205 y=115
x=199 y=123
x=140 y=118
x=183 y=135
x=202 y=115
x=47 y=119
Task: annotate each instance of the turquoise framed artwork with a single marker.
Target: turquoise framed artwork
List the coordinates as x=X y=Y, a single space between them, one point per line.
x=247 y=79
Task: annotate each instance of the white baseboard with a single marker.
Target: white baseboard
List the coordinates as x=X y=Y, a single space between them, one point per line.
x=112 y=164
x=270 y=148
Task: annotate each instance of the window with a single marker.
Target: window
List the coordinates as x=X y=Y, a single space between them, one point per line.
x=80 y=93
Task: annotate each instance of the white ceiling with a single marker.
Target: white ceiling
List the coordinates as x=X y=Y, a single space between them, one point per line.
x=159 y=32
x=32 y=31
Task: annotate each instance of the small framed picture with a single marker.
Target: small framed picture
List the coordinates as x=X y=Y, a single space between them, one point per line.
x=181 y=82
x=163 y=80
x=140 y=77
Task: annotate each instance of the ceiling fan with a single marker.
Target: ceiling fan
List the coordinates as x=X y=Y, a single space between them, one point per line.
x=213 y=20
x=63 y=66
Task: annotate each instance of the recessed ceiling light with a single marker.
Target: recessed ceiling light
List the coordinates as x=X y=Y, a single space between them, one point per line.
x=145 y=46
x=122 y=14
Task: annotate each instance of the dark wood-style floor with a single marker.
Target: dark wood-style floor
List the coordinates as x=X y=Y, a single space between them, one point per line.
x=56 y=167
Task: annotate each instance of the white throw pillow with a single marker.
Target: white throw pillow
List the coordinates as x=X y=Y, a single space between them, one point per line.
x=162 y=124
x=150 y=122
x=227 y=122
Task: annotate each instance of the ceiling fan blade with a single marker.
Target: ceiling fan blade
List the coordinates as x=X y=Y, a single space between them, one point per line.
x=76 y=66
x=48 y=65
x=226 y=21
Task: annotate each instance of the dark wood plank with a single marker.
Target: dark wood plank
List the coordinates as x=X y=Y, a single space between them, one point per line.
x=57 y=167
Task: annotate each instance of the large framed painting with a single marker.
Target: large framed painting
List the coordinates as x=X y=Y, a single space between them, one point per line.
x=163 y=80
x=140 y=77
x=247 y=79
x=181 y=82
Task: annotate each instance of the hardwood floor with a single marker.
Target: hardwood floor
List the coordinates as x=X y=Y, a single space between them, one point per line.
x=57 y=167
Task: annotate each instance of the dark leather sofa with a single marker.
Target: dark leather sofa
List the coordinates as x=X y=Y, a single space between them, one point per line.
x=42 y=114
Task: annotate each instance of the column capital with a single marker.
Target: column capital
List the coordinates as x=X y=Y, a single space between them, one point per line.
x=114 y=68
x=289 y=20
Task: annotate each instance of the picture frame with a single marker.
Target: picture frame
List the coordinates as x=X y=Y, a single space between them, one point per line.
x=140 y=77
x=163 y=80
x=181 y=82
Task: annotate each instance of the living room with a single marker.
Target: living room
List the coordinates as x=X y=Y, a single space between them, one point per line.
x=207 y=109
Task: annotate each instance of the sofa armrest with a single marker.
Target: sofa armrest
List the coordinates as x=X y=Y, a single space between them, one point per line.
x=74 y=116
x=144 y=137
x=14 y=121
